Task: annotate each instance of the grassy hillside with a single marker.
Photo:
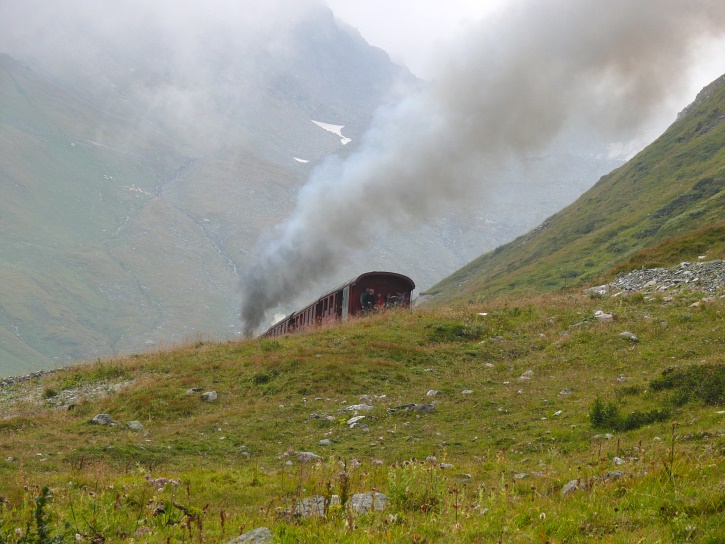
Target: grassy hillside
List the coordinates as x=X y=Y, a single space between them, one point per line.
x=532 y=395
x=671 y=189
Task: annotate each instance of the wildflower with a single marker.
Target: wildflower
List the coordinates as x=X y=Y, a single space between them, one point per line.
x=431 y=459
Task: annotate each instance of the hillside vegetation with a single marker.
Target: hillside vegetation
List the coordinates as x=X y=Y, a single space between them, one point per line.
x=670 y=190
x=546 y=425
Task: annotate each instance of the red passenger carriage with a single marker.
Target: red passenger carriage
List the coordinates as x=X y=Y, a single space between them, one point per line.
x=344 y=301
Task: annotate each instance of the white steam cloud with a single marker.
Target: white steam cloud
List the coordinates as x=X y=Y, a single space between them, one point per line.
x=512 y=87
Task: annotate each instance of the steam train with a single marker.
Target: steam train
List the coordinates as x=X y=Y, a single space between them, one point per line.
x=391 y=289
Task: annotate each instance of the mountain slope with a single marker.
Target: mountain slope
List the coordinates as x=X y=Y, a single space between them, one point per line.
x=675 y=186
x=131 y=198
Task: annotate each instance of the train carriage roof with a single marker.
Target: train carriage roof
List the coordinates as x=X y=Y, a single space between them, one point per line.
x=363 y=276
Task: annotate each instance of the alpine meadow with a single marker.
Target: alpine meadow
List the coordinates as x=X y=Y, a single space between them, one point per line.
x=167 y=168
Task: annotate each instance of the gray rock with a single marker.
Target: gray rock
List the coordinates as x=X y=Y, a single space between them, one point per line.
x=209 y=396
x=413 y=407
x=565 y=391
x=307 y=456
x=314 y=506
x=354 y=420
x=432 y=393
x=467 y=392
x=614 y=475
x=365 y=502
x=629 y=336
x=359 y=407
x=135 y=426
x=570 y=487
x=194 y=390
x=603 y=317
x=324 y=442
x=102 y=419
x=260 y=535
x=618 y=461
x=360 y=503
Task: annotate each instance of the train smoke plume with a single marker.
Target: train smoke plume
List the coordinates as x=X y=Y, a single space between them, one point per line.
x=512 y=87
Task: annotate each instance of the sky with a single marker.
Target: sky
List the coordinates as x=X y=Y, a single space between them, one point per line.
x=411 y=31
x=420 y=33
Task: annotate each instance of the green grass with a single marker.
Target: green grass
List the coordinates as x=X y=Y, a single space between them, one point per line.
x=706 y=242
x=520 y=440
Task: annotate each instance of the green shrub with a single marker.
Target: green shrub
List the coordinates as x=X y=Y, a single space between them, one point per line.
x=702 y=382
x=49 y=393
x=607 y=416
x=603 y=416
x=261 y=378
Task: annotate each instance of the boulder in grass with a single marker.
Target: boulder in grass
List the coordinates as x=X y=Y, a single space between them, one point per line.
x=629 y=336
x=260 y=535
x=135 y=426
x=570 y=487
x=209 y=396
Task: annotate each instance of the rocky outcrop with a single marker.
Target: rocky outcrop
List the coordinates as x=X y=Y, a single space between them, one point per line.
x=706 y=277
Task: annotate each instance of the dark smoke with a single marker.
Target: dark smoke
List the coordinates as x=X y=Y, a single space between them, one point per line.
x=512 y=87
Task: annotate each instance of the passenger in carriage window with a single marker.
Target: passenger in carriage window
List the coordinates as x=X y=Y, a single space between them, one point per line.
x=396 y=300
x=367 y=299
x=380 y=302
x=401 y=298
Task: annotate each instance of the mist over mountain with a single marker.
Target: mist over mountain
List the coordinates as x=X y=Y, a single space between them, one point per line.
x=144 y=149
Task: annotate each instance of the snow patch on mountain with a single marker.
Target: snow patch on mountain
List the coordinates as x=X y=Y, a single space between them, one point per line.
x=335 y=129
